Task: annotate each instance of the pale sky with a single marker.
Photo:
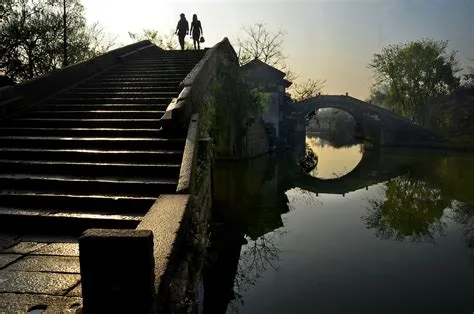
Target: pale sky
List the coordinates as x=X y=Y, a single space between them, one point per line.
x=326 y=39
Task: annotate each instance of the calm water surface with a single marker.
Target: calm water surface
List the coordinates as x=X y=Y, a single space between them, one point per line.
x=365 y=232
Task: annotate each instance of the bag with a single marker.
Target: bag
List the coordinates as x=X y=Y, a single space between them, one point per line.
x=201 y=40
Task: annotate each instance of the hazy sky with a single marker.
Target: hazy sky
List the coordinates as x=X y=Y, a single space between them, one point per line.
x=326 y=39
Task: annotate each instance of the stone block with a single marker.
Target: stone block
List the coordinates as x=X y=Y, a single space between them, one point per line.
x=184 y=93
x=117 y=271
x=36 y=282
x=166 y=220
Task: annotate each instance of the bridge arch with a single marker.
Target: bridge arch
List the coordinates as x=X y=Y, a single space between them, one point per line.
x=381 y=127
x=359 y=129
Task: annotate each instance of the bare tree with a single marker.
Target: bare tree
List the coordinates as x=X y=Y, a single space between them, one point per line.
x=308 y=89
x=258 y=42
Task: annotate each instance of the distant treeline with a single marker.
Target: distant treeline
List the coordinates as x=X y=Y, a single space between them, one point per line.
x=32 y=37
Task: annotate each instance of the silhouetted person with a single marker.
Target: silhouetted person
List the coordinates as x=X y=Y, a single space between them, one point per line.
x=196 y=31
x=182 y=30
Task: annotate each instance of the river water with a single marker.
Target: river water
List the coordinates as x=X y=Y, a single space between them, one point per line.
x=364 y=232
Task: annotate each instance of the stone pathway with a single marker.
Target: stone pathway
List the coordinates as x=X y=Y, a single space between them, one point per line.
x=39 y=273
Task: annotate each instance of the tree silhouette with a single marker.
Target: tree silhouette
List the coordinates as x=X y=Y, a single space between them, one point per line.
x=31 y=37
x=307 y=89
x=415 y=73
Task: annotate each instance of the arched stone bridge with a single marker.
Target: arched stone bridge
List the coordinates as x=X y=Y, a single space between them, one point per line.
x=381 y=127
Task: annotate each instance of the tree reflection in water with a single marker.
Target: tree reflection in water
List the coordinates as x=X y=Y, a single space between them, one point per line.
x=408 y=210
x=256 y=257
x=463 y=213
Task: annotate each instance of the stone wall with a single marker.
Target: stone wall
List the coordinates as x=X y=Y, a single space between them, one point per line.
x=256 y=141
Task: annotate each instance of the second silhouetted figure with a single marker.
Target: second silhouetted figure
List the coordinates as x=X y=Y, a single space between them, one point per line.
x=182 y=29
x=196 y=31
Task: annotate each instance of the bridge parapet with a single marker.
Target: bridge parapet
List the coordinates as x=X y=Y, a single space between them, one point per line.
x=20 y=97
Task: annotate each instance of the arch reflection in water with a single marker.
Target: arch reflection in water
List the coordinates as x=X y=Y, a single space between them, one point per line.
x=334 y=162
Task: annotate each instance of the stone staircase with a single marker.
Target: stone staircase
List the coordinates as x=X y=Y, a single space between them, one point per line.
x=94 y=156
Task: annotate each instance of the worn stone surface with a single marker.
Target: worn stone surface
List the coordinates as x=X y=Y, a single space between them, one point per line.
x=63 y=249
x=8 y=240
x=76 y=292
x=187 y=165
x=21 y=303
x=6 y=259
x=56 y=264
x=164 y=220
x=256 y=140
x=36 y=282
x=25 y=247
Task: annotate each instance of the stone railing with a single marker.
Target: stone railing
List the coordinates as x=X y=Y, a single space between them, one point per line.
x=16 y=98
x=155 y=268
x=197 y=85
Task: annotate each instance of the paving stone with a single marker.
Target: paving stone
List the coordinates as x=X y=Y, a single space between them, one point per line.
x=63 y=249
x=8 y=240
x=6 y=259
x=36 y=282
x=21 y=303
x=49 y=238
x=56 y=264
x=76 y=292
x=25 y=247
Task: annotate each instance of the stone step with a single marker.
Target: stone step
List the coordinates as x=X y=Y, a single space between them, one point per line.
x=119 y=79
x=128 y=89
x=60 y=221
x=119 y=83
x=85 y=123
x=77 y=168
x=112 y=100
x=175 y=76
x=85 y=155
x=81 y=132
x=92 y=143
x=182 y=58
x=86 y=185
x=95 y=114
x=147 y=72
x=151 y=69
x=124 y=107
x=92 y=203
x=117 y=94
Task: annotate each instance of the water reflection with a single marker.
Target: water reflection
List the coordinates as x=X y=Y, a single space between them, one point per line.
x=275 y=226
x=249 y=200
x=334 y=162
x=409 y=209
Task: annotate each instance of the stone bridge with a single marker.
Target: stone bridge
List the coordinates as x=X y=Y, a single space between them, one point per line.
x=105 y=173
x=380 y=126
